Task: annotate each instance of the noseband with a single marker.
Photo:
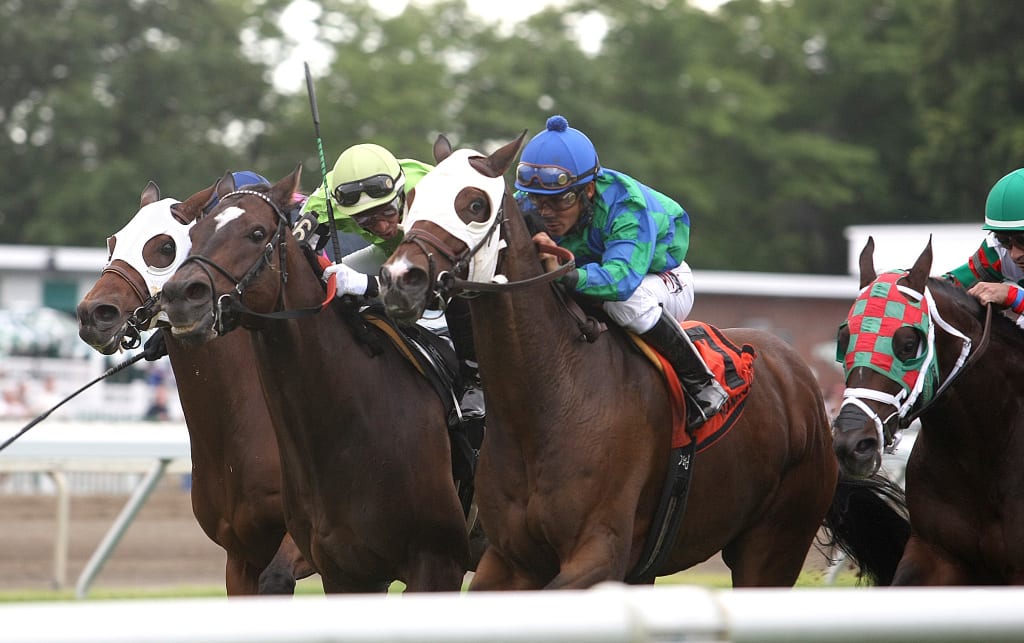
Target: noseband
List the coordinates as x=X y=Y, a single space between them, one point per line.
x=140 y=318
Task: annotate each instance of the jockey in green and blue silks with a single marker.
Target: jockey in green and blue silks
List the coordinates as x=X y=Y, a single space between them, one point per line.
x=629 y=240
x=995 y=272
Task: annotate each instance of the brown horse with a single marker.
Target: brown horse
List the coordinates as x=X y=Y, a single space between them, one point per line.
x=368 y=489
x=236 y=471
x=578 y=438
x=915 y=345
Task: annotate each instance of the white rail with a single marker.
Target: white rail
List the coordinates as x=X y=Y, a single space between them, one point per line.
x=610 y=613
x=60 y=447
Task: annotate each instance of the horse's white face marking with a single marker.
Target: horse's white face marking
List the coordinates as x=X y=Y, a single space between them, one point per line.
x=227 y=216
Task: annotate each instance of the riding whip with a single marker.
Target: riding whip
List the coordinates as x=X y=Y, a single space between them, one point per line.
x=110 y=371
x=323 y=163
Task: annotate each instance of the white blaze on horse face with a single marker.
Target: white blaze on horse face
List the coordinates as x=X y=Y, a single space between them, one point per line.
x=152 y=220
x=227 y=216
x=435 y=202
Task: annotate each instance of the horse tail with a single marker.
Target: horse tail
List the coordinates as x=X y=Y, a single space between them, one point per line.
x=868 y=521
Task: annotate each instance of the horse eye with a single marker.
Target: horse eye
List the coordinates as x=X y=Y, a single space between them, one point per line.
x=259 y=234
x=169 y=249
x=905 y=343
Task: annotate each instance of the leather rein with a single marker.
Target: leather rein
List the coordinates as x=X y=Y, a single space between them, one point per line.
x=228 y=307
x=447 y=283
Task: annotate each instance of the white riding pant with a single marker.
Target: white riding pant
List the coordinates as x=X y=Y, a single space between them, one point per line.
x=671 y=290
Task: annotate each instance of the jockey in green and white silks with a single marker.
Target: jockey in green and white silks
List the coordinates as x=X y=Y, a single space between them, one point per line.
x=994 y=274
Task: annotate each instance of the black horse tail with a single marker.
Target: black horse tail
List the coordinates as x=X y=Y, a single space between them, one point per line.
x=868 y=521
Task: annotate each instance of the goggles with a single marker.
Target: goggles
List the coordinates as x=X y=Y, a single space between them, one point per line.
x=375 y=187
x=373 y=216
x=557 y=203
x=1009 y=241
x=549 y=177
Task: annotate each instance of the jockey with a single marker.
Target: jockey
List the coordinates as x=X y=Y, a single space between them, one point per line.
x=630 y=243
x=369 y=191
x=995 y=273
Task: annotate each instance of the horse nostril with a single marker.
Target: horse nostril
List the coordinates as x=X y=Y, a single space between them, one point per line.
x=197 y=290
x=106 y=314
x=867 y=445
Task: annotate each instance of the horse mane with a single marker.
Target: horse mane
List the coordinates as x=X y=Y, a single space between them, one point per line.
x=1002 y=326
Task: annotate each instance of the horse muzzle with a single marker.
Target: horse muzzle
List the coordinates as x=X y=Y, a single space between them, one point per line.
x=855 y=442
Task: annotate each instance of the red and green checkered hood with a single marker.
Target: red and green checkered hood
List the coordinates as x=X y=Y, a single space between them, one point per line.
x=880 y=310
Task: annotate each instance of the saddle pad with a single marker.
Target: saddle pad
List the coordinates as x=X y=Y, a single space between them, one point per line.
x=733 y=368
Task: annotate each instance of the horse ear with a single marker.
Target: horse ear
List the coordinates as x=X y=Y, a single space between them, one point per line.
x=226 y=185
x=442 y=148
x=867 y=263
x=918 y=277
x=189 y=210
x=150 y=194
x=284 y=190
x=497 y=163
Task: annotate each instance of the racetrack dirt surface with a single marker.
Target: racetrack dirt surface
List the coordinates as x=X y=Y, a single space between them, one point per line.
x=163 y=547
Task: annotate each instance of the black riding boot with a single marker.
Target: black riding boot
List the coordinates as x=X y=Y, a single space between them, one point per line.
x=670 y=340
x=471 y=400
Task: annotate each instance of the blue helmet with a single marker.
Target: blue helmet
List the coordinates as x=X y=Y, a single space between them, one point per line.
x=557 y=159
x=248 y=177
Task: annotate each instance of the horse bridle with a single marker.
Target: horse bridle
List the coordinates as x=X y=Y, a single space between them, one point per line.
x=228 y=307
x=447 y=283
x=140 y=318
x=905 y=417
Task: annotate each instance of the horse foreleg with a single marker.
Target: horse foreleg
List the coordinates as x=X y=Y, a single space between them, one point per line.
x=925 y=564
x=240 y=578
x=435 y=572
x=284 y=569
x=493 y=572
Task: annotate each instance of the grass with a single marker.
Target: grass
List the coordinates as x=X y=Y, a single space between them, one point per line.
x=312 y=587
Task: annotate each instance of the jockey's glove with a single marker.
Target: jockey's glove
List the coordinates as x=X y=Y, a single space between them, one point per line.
x=155 y=347
x=349 y=280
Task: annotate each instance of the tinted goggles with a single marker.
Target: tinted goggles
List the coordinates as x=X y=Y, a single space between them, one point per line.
x=557 y=202
x=375 y=187
x=548 y=177
x=1009 y=241
x=374 y=215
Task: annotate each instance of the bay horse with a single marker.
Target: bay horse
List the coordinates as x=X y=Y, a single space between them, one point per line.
x=367 y=473
x=916 y=346
x=236 y=470
x=579 y=433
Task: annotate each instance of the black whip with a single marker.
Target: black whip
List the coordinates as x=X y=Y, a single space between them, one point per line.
x=323 y=163
x=110 y=371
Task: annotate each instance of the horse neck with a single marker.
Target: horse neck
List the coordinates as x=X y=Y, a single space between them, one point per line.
x=972 y=415
x=207 y=378
x=523 y=329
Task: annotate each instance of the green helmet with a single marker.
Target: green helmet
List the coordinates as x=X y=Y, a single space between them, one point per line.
x=365 y=176
x=1004 y=209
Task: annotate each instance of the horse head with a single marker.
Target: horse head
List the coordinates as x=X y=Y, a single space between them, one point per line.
x=887 y=349
x=142 y=256
x=238 y=253
x=451 y=228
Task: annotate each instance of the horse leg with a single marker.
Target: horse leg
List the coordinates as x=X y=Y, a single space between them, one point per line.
x=435 y=572
x=771 y=553
x=924 y=564
x=240 y=578
x=494 y=573
x=600 y=557
x=284 y=569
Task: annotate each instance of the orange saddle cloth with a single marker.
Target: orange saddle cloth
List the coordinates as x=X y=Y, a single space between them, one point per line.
x=733 y=368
